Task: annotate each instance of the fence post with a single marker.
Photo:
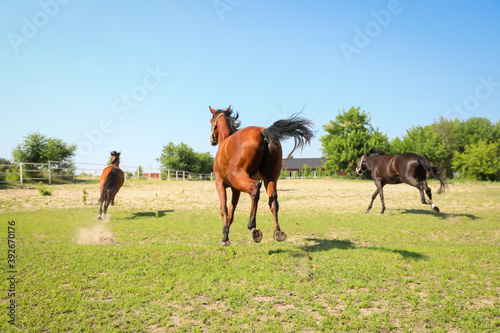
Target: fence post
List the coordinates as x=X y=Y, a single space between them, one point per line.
x=159 y=175
x=183 y=175
x=168 y=171
x=149 y=174
x=50 y=178
x=93 y=171
x=21 y=172
x=176 y=175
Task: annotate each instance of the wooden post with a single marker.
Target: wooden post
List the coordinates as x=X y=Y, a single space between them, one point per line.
x=21 y=172
x=50 y=178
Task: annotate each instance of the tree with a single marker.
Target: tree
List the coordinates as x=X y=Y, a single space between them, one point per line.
x=349 y=136
x=472 y=131
x=38 y=148
x=480 y=161
x=183 y=157
x=445 y=129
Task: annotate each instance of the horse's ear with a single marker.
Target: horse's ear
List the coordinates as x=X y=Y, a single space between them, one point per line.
x=229 y=108
x=120 y=153
x=212 y=110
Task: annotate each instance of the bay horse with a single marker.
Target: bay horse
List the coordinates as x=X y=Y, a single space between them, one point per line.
x=406 y=168
x=111 y=180
x=246 y=157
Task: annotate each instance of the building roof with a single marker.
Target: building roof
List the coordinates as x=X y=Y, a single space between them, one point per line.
x=298 y=163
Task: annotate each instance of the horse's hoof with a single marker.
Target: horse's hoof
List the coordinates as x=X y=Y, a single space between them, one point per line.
x=436 y=209
x=225 y=243
x=367 y=212
x=256 y=235
x=279 y=235
x=99 y=217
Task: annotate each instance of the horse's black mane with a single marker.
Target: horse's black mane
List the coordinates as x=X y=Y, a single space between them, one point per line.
x=232 y=121
x=375 y=151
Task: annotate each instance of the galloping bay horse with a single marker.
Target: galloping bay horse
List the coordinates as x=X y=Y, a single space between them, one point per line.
x=245 y=157
x=406 y=168
x=111 y=180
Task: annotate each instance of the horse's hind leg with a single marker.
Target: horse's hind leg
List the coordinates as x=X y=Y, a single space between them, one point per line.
x=252 y=187
x=274 y=206
x=100 y=212
x=252 y=223
x=429 y=194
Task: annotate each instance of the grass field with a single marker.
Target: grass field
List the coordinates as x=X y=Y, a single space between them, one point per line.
x=155 y=265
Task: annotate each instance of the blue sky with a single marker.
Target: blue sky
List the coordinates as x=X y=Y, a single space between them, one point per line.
x=133 y=76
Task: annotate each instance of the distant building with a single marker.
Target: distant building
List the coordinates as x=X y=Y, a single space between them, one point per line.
x=295 y=166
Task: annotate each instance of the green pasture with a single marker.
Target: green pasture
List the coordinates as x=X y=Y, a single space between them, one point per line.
x=411 y=270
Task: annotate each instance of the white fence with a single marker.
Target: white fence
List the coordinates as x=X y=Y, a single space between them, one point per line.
x=51 y=172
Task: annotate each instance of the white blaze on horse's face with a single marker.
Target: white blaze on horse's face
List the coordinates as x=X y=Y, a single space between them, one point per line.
x=214 y=139
x=361 y=166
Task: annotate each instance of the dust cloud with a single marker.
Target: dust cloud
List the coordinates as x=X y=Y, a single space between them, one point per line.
x=96 y=235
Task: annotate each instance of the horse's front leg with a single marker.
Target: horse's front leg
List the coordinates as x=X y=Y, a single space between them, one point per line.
x=373 y=199
x=274 y=206
x=234 y=202
x=381 y=192
x=221 y=190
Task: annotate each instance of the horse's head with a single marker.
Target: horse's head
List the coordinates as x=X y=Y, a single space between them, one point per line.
x=361 y=166
x=115 y=156
x=216 y=114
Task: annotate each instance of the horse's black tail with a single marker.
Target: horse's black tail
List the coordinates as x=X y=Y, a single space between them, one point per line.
x=109 y=187
x=433 y=171
x=294 y=127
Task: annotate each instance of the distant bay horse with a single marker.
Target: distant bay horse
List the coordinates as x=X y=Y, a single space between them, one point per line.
x=245 y=157
x=405 y=168
x=111 y=180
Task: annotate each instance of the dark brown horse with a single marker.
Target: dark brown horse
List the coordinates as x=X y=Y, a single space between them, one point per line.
x=111 y=180
x=406 y=168
x=245 y=157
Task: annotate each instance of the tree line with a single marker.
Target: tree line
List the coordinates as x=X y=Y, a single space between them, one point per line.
x=459 y=148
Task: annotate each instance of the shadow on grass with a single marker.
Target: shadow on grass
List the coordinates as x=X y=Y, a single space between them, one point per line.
x=159 y=213
x=344 y=244
x=441 y=215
